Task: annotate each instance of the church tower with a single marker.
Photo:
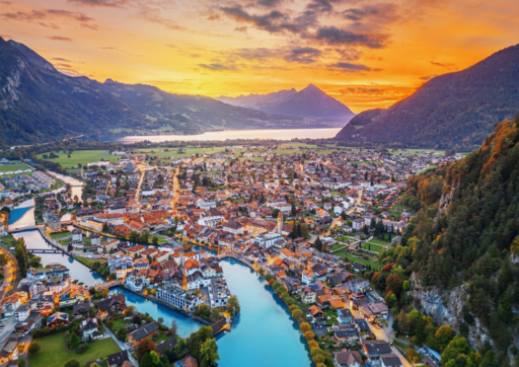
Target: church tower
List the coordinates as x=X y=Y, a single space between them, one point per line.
x=279 y=226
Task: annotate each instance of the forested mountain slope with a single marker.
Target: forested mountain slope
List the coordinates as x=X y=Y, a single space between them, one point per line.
x=461 y=250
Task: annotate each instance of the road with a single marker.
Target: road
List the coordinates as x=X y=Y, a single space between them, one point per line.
x=383 y=333
x=122 y=346
x=7 y=329
x=175 y=189
x=10 y=272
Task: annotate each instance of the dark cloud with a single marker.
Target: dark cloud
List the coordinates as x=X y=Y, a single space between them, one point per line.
x=273 y=21
x=374 y=95
x=60 y=38
x=269 y=3
x=217 y=66
x=319 y=6
x=380 y=11
x=306 y=23
x=444 y=65
x=348 y=53
x=105 y=3
x=304 y=55
x=259 y=53
x=348 y=66
x=49 y=18
x=337 y=36
x=61 y=59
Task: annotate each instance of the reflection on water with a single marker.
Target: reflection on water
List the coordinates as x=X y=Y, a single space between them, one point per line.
x=266 y=134
x=185 y=325
x=264 y=335
x=34 y=240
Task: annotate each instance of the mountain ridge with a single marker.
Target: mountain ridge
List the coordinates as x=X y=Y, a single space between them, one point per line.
x=456 y=110
x=309 y=102
x=40 y=103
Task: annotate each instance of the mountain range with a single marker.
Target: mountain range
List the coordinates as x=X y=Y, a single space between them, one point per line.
x=40 y=103
x=456 y=110
x=310 y=103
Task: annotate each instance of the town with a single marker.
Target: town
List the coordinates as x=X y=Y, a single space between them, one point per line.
x=310 y=220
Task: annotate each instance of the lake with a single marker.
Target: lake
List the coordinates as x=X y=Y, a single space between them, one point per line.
x=261 y=134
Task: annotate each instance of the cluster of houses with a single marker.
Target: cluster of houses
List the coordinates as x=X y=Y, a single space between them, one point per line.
x=181 y=279
x=39 y=302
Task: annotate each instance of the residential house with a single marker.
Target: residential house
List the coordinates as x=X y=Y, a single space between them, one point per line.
x=117 y=359
x=347 y=358
x=143 y=332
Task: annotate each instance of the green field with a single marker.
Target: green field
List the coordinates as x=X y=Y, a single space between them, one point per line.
x=417 y=152
x=178 y=153
x=350 y=257
x=374 y=246
x=299 y=148
x=60 y=236
x=54 y=352
x=77 y=157
x=15 y=166
x=89 y=261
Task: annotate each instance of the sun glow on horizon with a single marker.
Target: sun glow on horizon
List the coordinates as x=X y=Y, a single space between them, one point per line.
x=366 y=54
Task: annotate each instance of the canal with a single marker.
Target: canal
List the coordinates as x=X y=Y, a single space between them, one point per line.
x=263 y=335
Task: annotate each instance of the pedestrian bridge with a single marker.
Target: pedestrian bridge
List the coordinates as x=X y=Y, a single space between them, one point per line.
x=45 y=251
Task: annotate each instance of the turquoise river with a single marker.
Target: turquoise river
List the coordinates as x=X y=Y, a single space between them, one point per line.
x=263 y=335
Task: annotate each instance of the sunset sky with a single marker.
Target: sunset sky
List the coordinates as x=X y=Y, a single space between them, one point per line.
x=365 y=53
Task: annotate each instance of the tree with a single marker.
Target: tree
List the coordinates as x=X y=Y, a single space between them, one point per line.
x=34 y=348
x=233 y=305
x=22 y=256
x=73 y=340
x=208 y=353
x=443 y=336
x=394 y=283
x=151 y=359
x=318 y=244
x=304 y=327
x=203 y=311
x=72 y=363
x=144 y=347
x=458 y=354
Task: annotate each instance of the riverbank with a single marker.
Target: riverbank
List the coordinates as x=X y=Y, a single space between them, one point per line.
x=22 y=215
x=263 y=323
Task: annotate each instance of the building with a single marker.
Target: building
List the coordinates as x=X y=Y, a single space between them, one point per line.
x=145 y=331
x=175 y=296
x=270 y=239
x=347 y=358
x=117 y=359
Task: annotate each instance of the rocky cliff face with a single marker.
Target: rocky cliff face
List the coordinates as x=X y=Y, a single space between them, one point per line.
x=446 y=307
